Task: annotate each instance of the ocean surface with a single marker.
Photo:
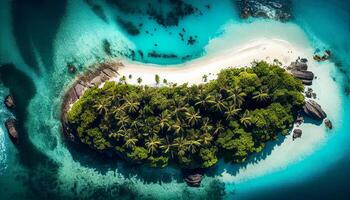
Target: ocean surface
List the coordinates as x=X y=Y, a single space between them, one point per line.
x=38 y=38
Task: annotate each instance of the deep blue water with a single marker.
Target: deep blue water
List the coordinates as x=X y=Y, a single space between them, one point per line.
x=39 y=37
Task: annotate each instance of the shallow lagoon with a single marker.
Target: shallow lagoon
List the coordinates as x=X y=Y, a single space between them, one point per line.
x=77 y=37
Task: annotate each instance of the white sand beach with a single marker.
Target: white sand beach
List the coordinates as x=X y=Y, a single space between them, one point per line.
x=192 y=72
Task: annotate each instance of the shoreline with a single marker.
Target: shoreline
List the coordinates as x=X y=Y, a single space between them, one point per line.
x=192 y=71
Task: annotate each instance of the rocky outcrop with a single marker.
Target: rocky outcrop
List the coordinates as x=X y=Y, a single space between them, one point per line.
x=297 y=133
x=194 y=180
x=303 y=75
x=71 y=68
x=319 y=58
x=299 y=120
x=9 y=102
x=328 y=124
x=299 y=66
x=309 y=93
x=193 y=177
x=90 y=79
x=12 y=130
x=314 y=110
x=277 y=9
x=299 y=70
x=307 y=82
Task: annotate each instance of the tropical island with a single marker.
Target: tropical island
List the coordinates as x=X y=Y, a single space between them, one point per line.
x=190 y=126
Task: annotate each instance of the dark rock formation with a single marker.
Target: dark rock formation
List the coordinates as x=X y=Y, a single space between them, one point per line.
x=297 y=133
x=299 y=66
x=299 y=70
x=314 y=110
x=303 y=75
x=299 y=120
x=327 y=54
x=9 y=102
x=12 y=130
x=328 y=124
x=309 y=93
x=71 y=68
x=103 y=73
x=307 y=82
x=303 y=60
x=277 y=9
x=245 y=13
x=79 y=90
x=193 y=177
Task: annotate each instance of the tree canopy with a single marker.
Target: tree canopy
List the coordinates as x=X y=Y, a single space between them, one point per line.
x=189 y=125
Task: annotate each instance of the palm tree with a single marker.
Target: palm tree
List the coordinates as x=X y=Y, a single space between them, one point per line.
x=206 y=138
x=104 y=126
x=192 y=117
x=139 y=80
x=102 y=106
x=147 y=110
x=118 y=110
x=181 y=144
x=157 y=79
x=219 y=128
x=205 y=78
x=167 y=147
x=206 y=127
x=113 y=96
x=177 y=127
x=237 y=96
x=123 y=79
x=204 y=100
x=192 y=145
x=261 y=95
x=246 y=120
x=164 y=120
x=153 y=143
x=131 y=105
x=130 y=141
x=219 y=104
x=122 y=120
x=121 y=133
x=231 y=112
x=186 y=98
x=136 y=125
x=179 y=110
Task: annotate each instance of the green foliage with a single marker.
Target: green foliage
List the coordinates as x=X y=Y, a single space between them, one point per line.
x=231 y=117
x=157 y=78
x=208 y=156
x=161 y=161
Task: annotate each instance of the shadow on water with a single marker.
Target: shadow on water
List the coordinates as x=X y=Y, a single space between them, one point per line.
x=35 y=24
x=29 y=156
x=214 y=189
x=233 y=169
x=103 y=164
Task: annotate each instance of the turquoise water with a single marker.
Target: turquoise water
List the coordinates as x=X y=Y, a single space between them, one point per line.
x=39 y=39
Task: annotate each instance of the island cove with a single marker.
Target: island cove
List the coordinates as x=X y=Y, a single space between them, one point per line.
x=228 y=116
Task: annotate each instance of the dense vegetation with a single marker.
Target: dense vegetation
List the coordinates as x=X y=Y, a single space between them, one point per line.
x=191 y=126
